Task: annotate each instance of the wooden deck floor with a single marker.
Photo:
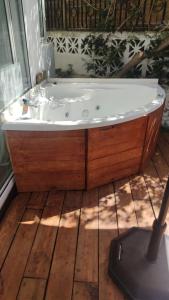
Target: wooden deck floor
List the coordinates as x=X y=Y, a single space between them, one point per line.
x=55 y=245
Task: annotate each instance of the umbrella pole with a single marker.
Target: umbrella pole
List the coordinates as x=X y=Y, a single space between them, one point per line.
x=159 y=226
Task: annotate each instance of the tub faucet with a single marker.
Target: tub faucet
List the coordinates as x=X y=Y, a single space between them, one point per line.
x=26 y=105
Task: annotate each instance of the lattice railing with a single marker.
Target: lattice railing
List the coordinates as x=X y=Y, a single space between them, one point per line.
x=69 y=49
x=119 y=15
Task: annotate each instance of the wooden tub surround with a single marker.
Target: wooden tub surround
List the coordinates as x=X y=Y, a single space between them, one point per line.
x=82 y=159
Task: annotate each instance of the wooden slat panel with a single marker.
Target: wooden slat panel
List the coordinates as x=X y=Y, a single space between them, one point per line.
x=10 y=223
x=107 y=231
x=32 y=289
x=60 y=283
x=87 y=251
x=12 y=271
x=82 y=15
x=111 y=140
x=41 y=254
x=45 y=160
x=115 y=152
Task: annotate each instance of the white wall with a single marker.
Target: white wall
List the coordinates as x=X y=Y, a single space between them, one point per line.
x=69 y=49
x=39 y=56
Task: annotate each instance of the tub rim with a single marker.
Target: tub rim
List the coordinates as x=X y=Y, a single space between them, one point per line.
x=39 y=125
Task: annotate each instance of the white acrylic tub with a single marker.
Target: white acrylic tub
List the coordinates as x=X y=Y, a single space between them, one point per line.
x=69 y=104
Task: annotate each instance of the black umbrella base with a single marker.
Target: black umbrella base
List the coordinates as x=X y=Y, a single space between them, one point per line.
x=133 y=273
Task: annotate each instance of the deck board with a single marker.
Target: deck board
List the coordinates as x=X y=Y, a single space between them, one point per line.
x=87 y=248
x=55 y=245
x=126 y=216
x=107 y=231
x=40 y=257
x=32 y=289
x=61 y=276
x=37 y=200
x=85 y=291
x=10 y=223
x=13 y=268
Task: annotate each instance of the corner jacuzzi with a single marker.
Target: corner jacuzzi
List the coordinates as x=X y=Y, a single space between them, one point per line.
x=82 y=133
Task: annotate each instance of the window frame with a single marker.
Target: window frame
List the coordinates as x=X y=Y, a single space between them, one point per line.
x=13 y=48
x=12 y=39
x=10 y=29
x=41 y=10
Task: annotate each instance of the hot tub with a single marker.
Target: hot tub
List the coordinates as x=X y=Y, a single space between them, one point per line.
x=82 y=133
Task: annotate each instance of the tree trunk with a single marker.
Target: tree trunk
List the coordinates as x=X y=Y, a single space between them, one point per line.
x=136 y=59
x=139 y=57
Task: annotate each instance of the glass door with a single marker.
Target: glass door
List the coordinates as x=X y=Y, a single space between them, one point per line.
x=14 y=68
x=6 y=59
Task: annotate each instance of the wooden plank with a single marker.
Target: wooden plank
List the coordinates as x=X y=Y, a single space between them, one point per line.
x=10 y=223
x=46 y=181
x=163 y=133
x=37 y=200
x=126 y=216
x=41 y=254
x=161 y=166
x=147 y=12
x=50 y=165
x=107 y=231
x=13 y=268
x=86 y=268
x=156 y=190
x=138 y=188
x=54 y=198
x=60 y=282
x=85 y=291
x=43 y=134
x=154 y=123
x=144 y=212
x=163 y=145
x=32 y=289
x=116 y=158
x=167 y=12
x=154 y=186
